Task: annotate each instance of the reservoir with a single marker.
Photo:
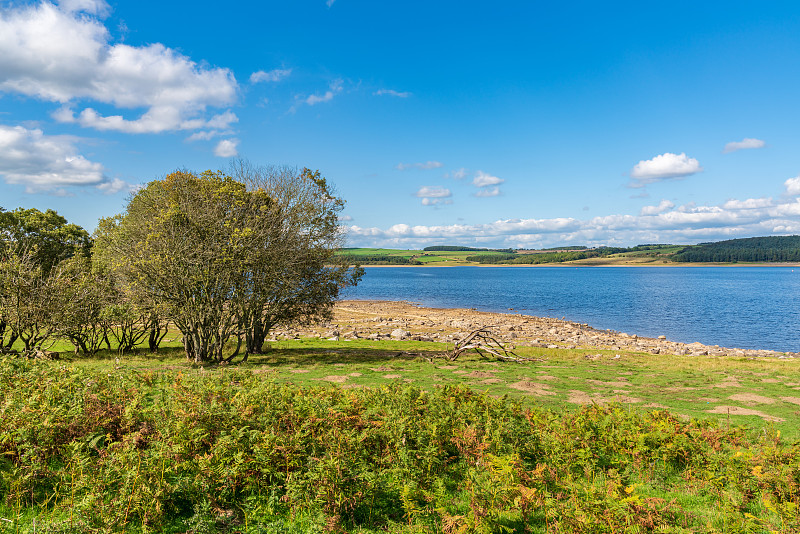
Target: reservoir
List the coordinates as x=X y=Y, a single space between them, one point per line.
x=743 y=307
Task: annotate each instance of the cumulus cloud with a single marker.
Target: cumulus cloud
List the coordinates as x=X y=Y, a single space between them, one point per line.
x=333 y=89
x=93 y=7
x=665 y=223
x=205 y=135
x=749 y=204
x=392 y=92
x=420 y=166
x=458 y=174
x=663 y=206
x=433 y=192
x=665 y=166
x=227 y=148
x=792 y=186
x=744 y=144
x=274 y=75
x=488 y=192
x=63 y=54
x=42 y=162
x=483 y=179
x=434 y=195
x=115 y=185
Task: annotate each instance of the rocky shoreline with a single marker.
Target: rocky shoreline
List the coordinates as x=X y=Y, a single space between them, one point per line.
x=358 y=319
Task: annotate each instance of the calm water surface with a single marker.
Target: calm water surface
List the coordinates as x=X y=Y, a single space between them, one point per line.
x=747 y=307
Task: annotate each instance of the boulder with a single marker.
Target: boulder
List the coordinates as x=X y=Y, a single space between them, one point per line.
x=399 y=333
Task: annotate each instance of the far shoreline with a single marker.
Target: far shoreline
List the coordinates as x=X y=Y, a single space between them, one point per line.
x=669 y=264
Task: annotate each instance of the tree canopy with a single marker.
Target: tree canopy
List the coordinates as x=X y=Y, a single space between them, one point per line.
x=33 y=247
x=230 y=258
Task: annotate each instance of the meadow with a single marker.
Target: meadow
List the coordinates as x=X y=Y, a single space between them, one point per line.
x=381 y=436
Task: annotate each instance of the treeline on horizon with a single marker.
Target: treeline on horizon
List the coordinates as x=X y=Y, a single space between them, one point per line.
x=545 y=257
x=752 y=249
x=448 y=248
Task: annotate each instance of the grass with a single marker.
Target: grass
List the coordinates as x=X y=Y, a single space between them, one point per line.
x=689 y=386
x=367 y=436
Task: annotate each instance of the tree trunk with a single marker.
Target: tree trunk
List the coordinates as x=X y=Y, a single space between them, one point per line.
x=157 y=335
x=256 y=336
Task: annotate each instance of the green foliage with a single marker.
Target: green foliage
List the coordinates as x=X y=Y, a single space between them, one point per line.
x=491 y=258
x=378 y=259
x=224 y=259
x=34 y=245
x=754 y=249
x=46 y=236
x=205 y=451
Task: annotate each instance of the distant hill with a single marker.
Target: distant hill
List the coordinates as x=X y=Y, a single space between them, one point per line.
x=752 y=249
x=450 y=248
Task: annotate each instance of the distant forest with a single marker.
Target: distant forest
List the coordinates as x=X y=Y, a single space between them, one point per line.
x=753 y=249
x=776 y=249
x=449 y=248
x=381 y=259
x=545 y=257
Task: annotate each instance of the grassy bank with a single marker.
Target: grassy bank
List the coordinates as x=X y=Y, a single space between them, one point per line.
x=362 y=436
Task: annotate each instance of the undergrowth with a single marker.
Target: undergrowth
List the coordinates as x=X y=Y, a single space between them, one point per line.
x=83 y=450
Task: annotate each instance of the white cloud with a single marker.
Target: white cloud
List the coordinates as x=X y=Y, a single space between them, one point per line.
x=115 y=186
x=59 y=54
x=458 y=174
x=427 y=201
x=488 y=192
x=744 y=144
x=204 y=135
x=792 y=186
x=329 y=3
x=392 y=92
x=334 y=88
x=428 y=165
x=749 y=204
x=92 y=7
x=46 y=162
x=665 y=223
x=433 y=192
x=483 y=179
x=226 y=148
x=434 y=195
x=274 y=75
x=665 y=166
x=663 y=206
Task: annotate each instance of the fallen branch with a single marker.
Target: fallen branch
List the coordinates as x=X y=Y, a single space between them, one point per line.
x=481 y=340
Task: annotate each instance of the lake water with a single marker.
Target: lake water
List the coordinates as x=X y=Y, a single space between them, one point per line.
x=745 y=307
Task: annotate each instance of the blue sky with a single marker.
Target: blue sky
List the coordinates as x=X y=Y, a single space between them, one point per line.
x=511 y=124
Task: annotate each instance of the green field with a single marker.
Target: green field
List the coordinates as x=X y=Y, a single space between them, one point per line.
x=420 y=256
x=382 y=436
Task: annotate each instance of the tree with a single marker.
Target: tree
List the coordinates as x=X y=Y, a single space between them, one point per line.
x=84 y=295
x=29 y=299
x=294 y=273
x=33 y=244
x=45 y=235
x=200 y=247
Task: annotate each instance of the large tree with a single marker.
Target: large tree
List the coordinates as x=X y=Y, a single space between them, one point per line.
x=294 y=274
x=206 y=248
x=33 y=246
